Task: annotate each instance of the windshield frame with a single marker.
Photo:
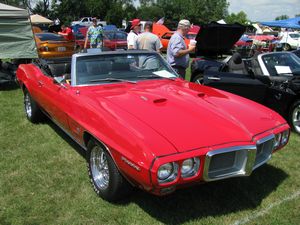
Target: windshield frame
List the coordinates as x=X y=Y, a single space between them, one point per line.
x=75 y=58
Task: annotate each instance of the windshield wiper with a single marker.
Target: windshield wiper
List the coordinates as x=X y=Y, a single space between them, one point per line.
x=111 y=79
x=155 y=76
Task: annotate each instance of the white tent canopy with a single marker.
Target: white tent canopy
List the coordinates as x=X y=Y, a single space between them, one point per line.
x=38 y=19
x=8 y=7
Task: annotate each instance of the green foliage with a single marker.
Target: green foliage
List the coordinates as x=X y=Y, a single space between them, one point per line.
x=197 y=11
x=297 y=15
x=152 y=13
x=282 y=17
x=240 y=17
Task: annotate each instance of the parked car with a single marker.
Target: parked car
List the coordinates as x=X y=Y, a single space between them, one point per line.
x=52 y=45
x=165 y=38
x=271 y=79
x=88 y=21
x=112 y=40
x=290 y=40
x=143 y=126
x=297 y=53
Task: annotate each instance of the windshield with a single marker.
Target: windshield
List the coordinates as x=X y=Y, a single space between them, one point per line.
x=50 y=37
x=116 y=35
x=282 y=63
x=295 y=36
x=121 y=67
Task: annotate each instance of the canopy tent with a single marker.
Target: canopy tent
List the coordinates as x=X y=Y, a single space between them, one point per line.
x=16 y=37
x=288 y=23
x=38 y=19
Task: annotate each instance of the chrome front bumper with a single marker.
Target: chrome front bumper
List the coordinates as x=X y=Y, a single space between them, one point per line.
x=237 y=161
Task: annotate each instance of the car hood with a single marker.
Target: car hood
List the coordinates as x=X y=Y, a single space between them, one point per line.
x=189 y=115
x=215 y=39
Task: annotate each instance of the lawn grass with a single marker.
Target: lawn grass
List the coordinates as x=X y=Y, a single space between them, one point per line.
x=44 y=181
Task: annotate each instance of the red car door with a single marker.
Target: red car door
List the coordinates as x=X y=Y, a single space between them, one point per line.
x=50 y=99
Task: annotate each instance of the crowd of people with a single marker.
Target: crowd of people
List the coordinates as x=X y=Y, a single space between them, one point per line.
x=177 y=51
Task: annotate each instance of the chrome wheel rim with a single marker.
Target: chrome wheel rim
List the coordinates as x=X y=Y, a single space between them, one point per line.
x=27 y=104
x=99 y=168
x=296 y=118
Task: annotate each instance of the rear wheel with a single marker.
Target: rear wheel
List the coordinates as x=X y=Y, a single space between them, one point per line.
x=104 y=175
x=32 y=110
x=198 y=79
x=294 y=117
x=286 y=47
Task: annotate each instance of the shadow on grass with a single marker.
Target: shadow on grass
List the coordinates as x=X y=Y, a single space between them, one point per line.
x=64 y=136
x=210 y=199
x=9 y=86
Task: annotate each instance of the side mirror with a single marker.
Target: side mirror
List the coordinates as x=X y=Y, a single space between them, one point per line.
x=60 y=81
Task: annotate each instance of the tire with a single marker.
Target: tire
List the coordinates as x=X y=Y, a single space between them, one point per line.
x=198 y=79
x=110 y=185
x=32 y=110
x=286 y=47
x=294 y=116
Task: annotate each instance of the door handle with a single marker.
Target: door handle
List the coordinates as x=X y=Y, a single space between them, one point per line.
x=214 y=78
x=40 y=83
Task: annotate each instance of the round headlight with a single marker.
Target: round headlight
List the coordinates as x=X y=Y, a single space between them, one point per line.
x=187 y=166
x=165 y=171
x=190 y=167
x=285 y=137
x=277 y=140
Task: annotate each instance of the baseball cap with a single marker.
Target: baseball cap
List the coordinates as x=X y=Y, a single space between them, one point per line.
x=135 y=22
x=185 y=23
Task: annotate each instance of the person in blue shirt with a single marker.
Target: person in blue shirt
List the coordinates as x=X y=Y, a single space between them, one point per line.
x=177 y=51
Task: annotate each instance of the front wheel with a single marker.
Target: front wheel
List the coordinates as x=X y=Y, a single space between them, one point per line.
x=198 y=79
x=104 y=175
x=294 y=117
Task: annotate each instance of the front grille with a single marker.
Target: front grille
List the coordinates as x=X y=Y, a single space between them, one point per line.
x=237 y=161
x=264 y=150
x=229 y=162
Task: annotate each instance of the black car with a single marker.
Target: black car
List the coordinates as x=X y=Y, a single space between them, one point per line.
x=272 y=79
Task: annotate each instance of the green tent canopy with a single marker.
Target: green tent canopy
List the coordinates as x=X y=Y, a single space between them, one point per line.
x=16 y=37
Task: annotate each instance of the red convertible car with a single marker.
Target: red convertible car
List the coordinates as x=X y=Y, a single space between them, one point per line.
x=143 y=126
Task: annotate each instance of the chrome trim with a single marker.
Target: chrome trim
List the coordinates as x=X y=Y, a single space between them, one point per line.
x=261 y=142
x=172 y=176
x=262 y=65
x=244 y=166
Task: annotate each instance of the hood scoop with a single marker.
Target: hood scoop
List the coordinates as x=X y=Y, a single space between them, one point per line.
x=159 y=100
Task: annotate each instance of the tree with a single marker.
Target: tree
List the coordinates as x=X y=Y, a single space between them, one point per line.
x=197 y=11
x=297 y=15
x=42 y=8
x=240 y=17
x=152 y=13
x=282 y=17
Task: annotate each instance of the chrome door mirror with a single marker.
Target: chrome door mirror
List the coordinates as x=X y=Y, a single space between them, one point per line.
x=60 y=81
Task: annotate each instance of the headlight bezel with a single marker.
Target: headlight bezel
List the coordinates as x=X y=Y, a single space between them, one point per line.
x=284 y=137
x=194 y=169
x=171 y=177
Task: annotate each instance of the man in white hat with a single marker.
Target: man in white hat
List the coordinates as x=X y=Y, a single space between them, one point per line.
x=177 y=52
